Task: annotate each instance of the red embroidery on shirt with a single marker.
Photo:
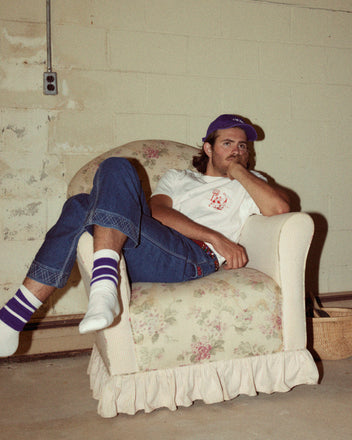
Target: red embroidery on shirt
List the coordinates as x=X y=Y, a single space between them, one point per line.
x=218 y=200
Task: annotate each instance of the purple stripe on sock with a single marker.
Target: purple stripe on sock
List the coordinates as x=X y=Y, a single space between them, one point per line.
x=11 y=320
x=20 y=295
x=107 y=277
x=104 y=270
x=15 y=306
x=105 y=262
x=18 y=308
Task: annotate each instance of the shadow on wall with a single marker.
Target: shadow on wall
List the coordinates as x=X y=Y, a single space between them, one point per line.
x=319 y=237
x=320 y=222
x=315 y=251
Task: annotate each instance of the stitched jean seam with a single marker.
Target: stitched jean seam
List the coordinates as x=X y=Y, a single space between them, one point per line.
x=109 y=220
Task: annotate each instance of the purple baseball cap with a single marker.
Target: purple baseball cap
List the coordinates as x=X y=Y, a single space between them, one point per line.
x=230 y=121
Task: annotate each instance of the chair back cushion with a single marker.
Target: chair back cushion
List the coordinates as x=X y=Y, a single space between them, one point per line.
x=151 y=158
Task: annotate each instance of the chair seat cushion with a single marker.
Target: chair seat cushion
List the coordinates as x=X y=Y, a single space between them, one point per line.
x=229 y=314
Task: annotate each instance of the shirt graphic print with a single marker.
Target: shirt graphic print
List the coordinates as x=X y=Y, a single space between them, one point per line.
x=218 y=200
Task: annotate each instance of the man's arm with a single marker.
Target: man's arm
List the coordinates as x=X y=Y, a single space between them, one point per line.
x=162 y=210
x=270 y=201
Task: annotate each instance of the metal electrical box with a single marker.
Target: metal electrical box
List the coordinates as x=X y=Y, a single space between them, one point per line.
x=50 y=83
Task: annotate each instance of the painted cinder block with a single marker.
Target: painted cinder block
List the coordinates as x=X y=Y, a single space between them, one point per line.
x=148 y=52
x=79 y=46
x=185 y=17
x=15 y=259
x=25 y=129
x=23 y=10
x=223 y=58
x=255 y=21
x=183 y=94
x=105 y=91
x=122 y=14
x=26 y=176
x=89 y=132
x=321 y=102
x=23 y=221
x=23 y=42
x=292 y=63
x=129 y=127
x=339 y=66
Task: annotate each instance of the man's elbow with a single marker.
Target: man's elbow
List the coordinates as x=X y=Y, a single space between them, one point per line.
x=284 y=208
x=282 y=202
x=281 y=208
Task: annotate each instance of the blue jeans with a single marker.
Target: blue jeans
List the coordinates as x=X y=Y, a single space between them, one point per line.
x=153 y=252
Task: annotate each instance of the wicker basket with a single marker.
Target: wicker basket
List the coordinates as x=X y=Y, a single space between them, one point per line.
x=330 y=332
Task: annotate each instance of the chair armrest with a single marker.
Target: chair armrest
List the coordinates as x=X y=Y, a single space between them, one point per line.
x=278 y=246
x=115 y=343
x=268 y=239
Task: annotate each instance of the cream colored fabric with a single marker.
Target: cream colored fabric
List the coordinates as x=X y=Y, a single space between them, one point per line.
x=224 y=316
x=278 y=246
x=153 y=356
x=211 y=382
x=115 y=343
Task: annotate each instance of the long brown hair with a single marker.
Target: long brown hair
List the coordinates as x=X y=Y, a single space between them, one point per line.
x=200 y=161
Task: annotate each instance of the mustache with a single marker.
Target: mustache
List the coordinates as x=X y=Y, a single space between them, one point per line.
x=234 y=155
x=243 y=154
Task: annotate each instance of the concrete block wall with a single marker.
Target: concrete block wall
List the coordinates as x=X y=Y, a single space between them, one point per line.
x=138 y=69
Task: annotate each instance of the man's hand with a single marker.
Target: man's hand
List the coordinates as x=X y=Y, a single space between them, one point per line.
x=270 y=200
x=234 y=254
x=237 y=166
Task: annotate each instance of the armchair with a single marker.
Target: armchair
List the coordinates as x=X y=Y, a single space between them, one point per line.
x=233 y=332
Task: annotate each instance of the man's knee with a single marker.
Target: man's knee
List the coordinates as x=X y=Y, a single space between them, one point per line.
x=76 y=206
x=117 y=170
x=115 y=164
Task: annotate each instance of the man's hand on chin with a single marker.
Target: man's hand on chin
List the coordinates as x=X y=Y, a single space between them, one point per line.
x=237 y=167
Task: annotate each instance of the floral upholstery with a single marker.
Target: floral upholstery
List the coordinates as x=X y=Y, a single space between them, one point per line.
x=154 y=155
x=225 y=316
x=238 y=331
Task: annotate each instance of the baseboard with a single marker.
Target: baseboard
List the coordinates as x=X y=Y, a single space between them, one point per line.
x=335 y=296
x=52 y=337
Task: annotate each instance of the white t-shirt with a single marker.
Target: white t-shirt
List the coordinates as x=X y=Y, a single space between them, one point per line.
x=216 y=202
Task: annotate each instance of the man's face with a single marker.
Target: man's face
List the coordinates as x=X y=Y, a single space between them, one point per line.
x=230 y=145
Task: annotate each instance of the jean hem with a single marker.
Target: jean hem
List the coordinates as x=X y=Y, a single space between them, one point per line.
x=115 y=221
x=46 y=275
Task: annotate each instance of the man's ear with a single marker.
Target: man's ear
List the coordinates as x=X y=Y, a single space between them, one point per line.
x=207 y=149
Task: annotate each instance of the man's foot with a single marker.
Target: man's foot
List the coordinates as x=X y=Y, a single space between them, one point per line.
x=102 y=309
x=8 y=340
x=103 y=304
x=13 y=317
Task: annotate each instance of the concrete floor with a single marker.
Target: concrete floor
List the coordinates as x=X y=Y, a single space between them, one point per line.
x=51 y=399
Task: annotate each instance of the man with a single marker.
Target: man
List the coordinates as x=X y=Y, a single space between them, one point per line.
x=191 y=227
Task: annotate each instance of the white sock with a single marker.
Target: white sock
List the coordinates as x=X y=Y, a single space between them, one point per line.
x=13 y=317
x=103 y=304
x=8 y=340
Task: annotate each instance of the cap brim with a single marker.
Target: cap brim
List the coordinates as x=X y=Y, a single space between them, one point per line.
x=250 y=132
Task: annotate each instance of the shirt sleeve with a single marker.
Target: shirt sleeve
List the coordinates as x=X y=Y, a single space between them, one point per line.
x=256 y=173
x=168 y=183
